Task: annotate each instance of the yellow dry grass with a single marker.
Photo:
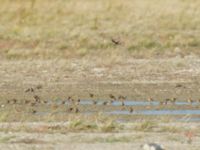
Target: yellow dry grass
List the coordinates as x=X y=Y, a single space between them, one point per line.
x=68 y=28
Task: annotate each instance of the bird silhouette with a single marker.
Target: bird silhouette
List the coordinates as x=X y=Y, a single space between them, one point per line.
x=115 y=41
x=91 y=95
x=112 y=96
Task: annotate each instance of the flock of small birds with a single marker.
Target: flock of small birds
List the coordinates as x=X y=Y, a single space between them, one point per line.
x=75 y=102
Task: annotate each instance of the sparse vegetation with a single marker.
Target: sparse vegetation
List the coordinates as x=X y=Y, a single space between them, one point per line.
x=146 y=126
x=63 y=62
x=67 y=28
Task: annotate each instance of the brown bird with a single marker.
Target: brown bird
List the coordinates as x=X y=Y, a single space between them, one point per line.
x=121 y=97
x=76 y=110
x=27 y=101
x=161 y=102
x=45 y=101
x=91 y=95
x=94 y=102
x=33 y=104
x=55 y=106
x=115 y=41
x=34 y=111
x=63 y=102
x=14 y=101
x=150 y=99
x=167 y=100
x=112 y=97
x=131 y=110
x=39 y=86
x=173 y=100
x=105 y=103
x=78 y=101
x=70 y=109
x=110 y=102
x=29 y=90
x=123 y=103
x=8 y=101
x=190 y=101
x=37 y=98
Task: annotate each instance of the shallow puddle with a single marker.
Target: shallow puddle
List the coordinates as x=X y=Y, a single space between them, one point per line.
x=126 y=102
x=146 y=112
x=155 y=112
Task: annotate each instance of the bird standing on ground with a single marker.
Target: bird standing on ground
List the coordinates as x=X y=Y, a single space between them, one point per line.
x=190 y=101
x=173 y=100
x=131 y=110
x=112 y=97
x=150 y=100
x=39 y=86
x=94 y=102
x=37 y=98
x=29 y=90
x=121 y=97
x=115 y=41
x=91 y=95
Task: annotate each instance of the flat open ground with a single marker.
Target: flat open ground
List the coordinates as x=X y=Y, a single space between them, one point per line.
x=55 y=136
x=141 y=49
x=137 y=79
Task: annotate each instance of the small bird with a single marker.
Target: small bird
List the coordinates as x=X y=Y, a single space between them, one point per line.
x=167 y=100
x=115 y=41
x=150 y=99
x=122 y=103
x=70 y=109
x=190 y=101
x=112 y=97
x=76 y=110
x=54 y=106
x=105 y=103
x=63 y=102
x=110 y=102
x=8 y=101
x=33 y=104
x=69 y=98
x=14 y=101
x=173 y=100
x=34 y=111
x=29 y=90
x=27 y=101
x=152 y=146
x=39 y=86
x=161 y=102
x=131 y=110
x=45 y=101
x=37 y=98
x=77 y=102
x=91 y=95
x=121 y=97
x=94 y=102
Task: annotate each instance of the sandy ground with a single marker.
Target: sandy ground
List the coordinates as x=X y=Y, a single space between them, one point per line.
x=137 y=79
